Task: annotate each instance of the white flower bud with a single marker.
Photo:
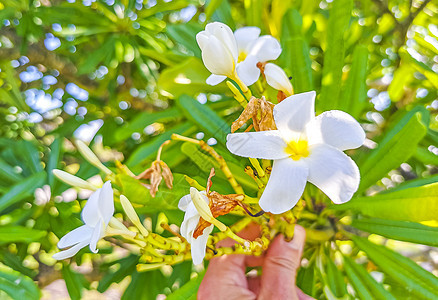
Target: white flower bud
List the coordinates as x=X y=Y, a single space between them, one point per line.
x=277 y=78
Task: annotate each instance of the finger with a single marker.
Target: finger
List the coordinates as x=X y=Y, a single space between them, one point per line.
x=225 y=279
x=280 y=266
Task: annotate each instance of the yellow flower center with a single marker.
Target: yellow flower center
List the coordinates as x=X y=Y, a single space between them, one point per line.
x=297 y=149
x=242 y=56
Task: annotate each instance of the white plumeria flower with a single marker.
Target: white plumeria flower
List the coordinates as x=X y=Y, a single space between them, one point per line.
x=277 y=78
x=191 y=220
x=304 y=148
x=252 y=50
x=219 y=51
x=96 y=215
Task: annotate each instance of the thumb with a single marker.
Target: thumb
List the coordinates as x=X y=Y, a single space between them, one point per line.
x=280 y=266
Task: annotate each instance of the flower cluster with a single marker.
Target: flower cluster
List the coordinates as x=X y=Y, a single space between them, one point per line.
x=295 y=146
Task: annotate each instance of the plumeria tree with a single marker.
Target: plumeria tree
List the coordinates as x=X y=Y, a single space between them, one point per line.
x=212 y=117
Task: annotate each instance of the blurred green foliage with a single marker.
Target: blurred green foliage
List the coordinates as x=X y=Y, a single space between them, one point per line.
x=134 y=68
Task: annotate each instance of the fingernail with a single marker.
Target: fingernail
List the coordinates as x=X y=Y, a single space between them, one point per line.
x=299 y=238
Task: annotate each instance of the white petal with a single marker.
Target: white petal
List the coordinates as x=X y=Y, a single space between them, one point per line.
x=202 y=39
x=191 y=220
x=76 y=236
x=293 y=113
x=215 y=79
x=90 y=212
x=333 y=172
x=262 y=144
x=266 y=48
x=106 y=202
x=225 y=35
x=277 y=78
x=184 y=202
x=285 y=186
x=69 y=252
x=246 y=36
x=247 y=70
x=217 y=57
x=336 y=128
x=97 y=234
x=199 y=244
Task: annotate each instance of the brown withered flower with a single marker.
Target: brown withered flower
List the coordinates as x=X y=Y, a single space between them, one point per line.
x=260 y=111
x=219 y=205
x=158 y=170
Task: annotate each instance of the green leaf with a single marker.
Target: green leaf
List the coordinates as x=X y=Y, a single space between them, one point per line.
x=205 y=117
x=415 y=204
x=149 y=149
x=189 y=290
x=306 y=279
x=363 y=283
x=145 y=286
x=354 y=96
x=22 y=190
x=335 y=279
x=339 y=19
x=397 y=146
x=415 y=279
x=165 y=198
x=11 y=234
x=296 y=52
x=188 y=77
x=185 y=34
x=17 y=286
x=426 y=157
x=126 y=266
x=399 y=230
x=30 y=155
x=8 y=173
x=402 y=77
x=74 y=281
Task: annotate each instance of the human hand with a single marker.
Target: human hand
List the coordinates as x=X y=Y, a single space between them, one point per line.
x=226 y=279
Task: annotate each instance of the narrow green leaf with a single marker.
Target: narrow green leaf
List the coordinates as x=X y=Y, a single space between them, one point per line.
x=354 y=96
x=415 y=279
x=18 y=286
x=339 y=19
x=399 y=230
x=165 y=199
x=402 y=77
x=145 y=285
x=300 y=64
x=363 y=283
x=185 y=34
x=126 y=268
x=188 y=77
x=7 y=173
x=204 y=117
x=426 y=157
x=415 y=204
x=22 y=190
x=149 y=149
x=398 y=145
x=11 y=233
x=335 y=279
x=189 y=290
x=74 y=282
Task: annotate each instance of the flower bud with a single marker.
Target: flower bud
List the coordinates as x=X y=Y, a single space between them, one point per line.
x=89 y=155
x=73 y=180
x=277 y=78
